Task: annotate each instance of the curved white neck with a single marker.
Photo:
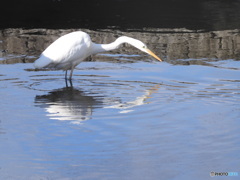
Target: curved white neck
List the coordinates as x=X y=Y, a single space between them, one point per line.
x=98 y=48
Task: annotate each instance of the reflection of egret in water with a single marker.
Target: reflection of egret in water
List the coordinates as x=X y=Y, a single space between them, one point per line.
x=72 y=104
x=140 y=100
x=68 y=104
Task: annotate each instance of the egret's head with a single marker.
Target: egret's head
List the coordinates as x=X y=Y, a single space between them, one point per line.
x=148 y=51
x=139 y=45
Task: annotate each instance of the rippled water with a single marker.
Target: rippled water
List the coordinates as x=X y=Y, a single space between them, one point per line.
x=133 y=119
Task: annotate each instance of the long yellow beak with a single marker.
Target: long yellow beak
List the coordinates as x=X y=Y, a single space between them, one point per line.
x=153 y=55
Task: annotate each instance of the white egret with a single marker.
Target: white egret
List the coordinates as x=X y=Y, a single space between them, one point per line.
x=69 y=50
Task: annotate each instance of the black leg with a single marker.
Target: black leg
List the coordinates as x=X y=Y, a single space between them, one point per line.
x=71 y=73
x=70 y=78
x=66 y=75
x=66 y=80
x=70 y=81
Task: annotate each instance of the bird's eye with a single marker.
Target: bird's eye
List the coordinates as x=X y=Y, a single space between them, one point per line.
x=144 y=47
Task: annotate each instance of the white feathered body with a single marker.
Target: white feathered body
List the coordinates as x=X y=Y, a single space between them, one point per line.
x=66 y=52
x=69 y=50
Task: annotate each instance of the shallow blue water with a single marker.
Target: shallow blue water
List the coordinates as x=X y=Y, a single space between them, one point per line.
x=142 y=120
